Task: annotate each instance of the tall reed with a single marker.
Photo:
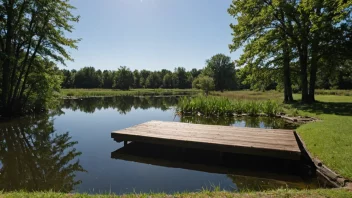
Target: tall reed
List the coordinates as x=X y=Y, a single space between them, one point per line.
x=221 y=106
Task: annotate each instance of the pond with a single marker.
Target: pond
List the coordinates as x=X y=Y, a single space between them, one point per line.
x=70 y=150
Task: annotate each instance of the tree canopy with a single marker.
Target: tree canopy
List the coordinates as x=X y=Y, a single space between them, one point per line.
x=286 y=35
x=32 y=38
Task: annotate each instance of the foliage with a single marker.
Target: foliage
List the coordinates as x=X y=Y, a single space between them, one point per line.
x=32 y=36
x=87 y=77
x=220 y=106
x=167 y=81
x=123 y=78
x=83 y=93
x=204 y=83
x=307 y=36
x=222 y=70
x=108 y=79
x=153 y=80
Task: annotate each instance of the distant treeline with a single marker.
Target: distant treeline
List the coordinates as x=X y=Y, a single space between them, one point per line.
x=219 y=68
x=124 y=78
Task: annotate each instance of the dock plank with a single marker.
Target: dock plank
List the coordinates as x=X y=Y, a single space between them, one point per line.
x=269 y=142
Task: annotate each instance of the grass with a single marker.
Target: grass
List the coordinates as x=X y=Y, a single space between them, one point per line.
x=319 y=193
x=261 y=95
x=330 y=139
x=83 y=93
x=222 y=106
x=334 y=92
x=249 y=95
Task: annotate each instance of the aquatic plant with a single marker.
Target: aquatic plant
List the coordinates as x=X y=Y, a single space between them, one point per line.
x=221 y=106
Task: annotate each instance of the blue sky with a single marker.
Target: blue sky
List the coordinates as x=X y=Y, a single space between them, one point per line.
x=150 y=34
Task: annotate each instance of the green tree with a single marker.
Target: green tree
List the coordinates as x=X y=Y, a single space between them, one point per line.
x=180 y=78
x=136 y=79
x=306 y=31
x=32 y=33
x=167 y=81
x=68 y=79
x=108 y=79
x=204 y=83
x=87 y=77
x=144 y=75
x=195 y=72
x=123 y=78
x=153 y=80
x=222 y=70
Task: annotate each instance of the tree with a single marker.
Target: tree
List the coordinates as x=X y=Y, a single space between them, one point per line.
x=143 y=77
x=204 y=83
x=306 y=31
x=222 y=70
x=153 y=80
x=108 y=79
x=87 y=77
x=167 y=81
x=195 y=72
x=68 y=79
x=32 y=33
x=123 y=78
x=136 y=79
x=181 y=77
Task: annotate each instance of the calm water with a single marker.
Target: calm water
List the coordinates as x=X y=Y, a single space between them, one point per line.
x=71 y=150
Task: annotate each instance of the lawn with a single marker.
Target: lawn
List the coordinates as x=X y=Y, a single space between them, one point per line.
x=330 y=139
x=132 y=92
x=319 y=193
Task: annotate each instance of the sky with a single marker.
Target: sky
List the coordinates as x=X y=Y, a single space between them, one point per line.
x=150 y=34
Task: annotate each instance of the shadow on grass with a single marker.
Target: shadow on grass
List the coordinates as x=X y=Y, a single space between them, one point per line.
x=337 y=108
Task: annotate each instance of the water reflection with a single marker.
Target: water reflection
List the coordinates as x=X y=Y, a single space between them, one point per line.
x=247 y=172
x=245 y=121
x=33 y=157
x=122 y=104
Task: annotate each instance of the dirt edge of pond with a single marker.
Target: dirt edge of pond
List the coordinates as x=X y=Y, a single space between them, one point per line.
x=298 y=119
x=334 y=179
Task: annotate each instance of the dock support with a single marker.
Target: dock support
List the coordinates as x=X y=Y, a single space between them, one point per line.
x=125 y=143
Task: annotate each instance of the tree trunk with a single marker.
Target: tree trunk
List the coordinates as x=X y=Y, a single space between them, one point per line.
x=6 y=71
x=313 y=72
x=303 y=60
x=287 y=75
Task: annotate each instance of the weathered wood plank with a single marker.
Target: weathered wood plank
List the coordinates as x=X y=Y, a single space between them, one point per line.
x=268 y=142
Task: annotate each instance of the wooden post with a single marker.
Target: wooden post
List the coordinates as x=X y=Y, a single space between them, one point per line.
x=125 y=143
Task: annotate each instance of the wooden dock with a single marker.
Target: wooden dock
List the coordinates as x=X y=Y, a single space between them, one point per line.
x=254 y=141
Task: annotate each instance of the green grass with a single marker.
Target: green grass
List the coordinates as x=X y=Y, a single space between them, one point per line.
x=319 y=193
x=330 y=139
x=333 y=92
x=82 y=93
x=222 y=106
x=249 y=95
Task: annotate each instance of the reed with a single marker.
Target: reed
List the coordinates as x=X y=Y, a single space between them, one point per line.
x=221 y=106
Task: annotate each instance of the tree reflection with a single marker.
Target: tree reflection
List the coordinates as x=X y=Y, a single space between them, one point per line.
x=122 y=104
x=246 y=121
x=33 y=157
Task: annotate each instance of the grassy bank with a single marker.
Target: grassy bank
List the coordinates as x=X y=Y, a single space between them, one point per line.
x=330 y=139
x=83 y=93
x=320 y=193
